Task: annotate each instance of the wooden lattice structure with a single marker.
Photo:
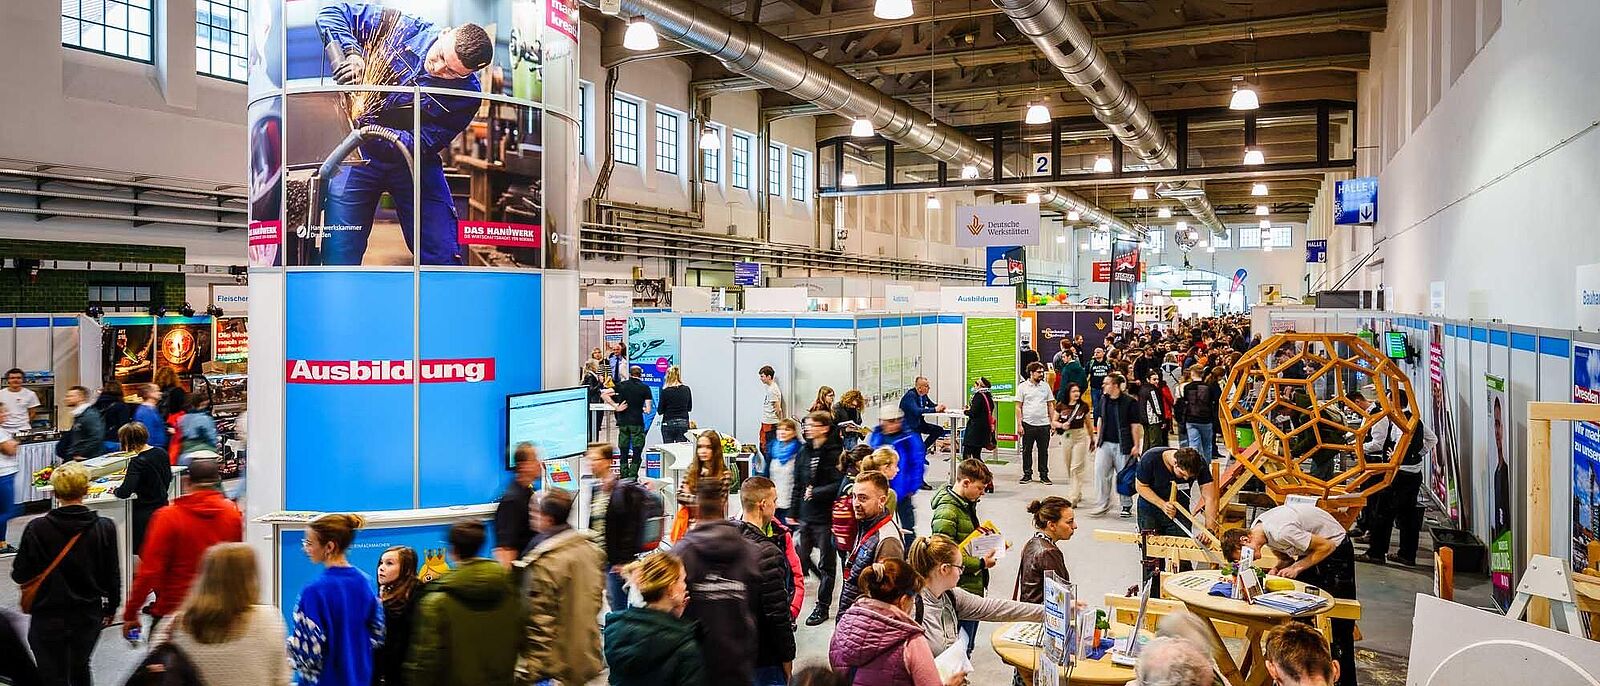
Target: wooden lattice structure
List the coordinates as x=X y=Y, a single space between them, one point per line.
x=1299 y=424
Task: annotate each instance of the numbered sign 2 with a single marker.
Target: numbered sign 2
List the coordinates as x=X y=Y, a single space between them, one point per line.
x=1041 y=164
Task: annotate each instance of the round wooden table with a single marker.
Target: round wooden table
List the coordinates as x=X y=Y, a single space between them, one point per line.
x=1193 y=590
x=1025 y=658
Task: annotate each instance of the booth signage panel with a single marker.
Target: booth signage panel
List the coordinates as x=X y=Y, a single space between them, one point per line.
x=898 y=298
x=653 y=347
x=999 y=265
x=1355 y=201
x=231 y=339
x=747 y=273
x=231 y=299
x=296 y=571
x=984 y=225
x=1585 y=457
x=997 y=299
x=1588 y=297
x=1317 y=251
x=1102 y=272
x=1050 y=328
x=992 y=353
x=793 y=299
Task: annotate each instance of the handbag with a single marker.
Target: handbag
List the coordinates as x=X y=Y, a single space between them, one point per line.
x=166 y=665
x=1127 y=476
x=30 y=588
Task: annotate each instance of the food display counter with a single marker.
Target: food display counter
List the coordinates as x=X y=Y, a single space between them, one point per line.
x=106 y=473
x=37 y=451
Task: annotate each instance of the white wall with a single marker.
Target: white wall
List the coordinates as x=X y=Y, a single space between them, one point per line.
x=1490 y=188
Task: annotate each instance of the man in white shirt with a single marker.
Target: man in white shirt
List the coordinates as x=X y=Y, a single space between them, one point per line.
x=1397 y=503
x=8 y=485
x=771 y=405
x=1313 y=547
x=1035 y=396
x=20 y=404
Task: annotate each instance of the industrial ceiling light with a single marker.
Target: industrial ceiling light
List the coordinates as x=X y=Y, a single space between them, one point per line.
x=1033 y=197
x=849 y=180
x=1258 y=189
x=1072 y=216
x=1262 y=211
x=933 y=202
x=1183 y=225
x=861 y=128
x=1164 y=212
x=709 y=140
x=1266 y=247
x=969 y=171
x=1037 y=114
x=1102 y=165
x=1141 y=193
x=1254 y=156
x=1244 y=97
x=1265 y=224
x=891 y=9
x=640 y=35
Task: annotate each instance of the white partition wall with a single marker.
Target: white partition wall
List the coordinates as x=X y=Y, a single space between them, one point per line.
x=708 y=368
x=869 y=355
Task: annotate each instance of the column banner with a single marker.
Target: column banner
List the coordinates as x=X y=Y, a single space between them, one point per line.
x=1501 y=564
x=653 y=346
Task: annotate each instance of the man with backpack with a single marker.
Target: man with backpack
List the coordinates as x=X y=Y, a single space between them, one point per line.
x=723 y=574
x=620 y=512
x=1398 y=502
x=1199 y=410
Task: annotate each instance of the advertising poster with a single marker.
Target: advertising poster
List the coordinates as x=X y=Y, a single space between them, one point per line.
x=1124 y=272
x=231 y=340
x=264 y=230
x=1050 y=328
x=1441 y=465
x=992 y=353
x=1501 y=550
x=295 y=570
x=653 y=346
x=129 y=351
x=1585 y=460
x=183 y=343
x=1094 y=326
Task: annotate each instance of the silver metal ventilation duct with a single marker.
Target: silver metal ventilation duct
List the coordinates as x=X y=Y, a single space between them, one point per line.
x=1054 y=28
x=749 y=50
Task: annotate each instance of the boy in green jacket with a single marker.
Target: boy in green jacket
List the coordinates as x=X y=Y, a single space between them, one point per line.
x=469 y=621
x=955 y=514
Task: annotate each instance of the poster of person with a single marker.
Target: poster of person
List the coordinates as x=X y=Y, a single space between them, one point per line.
x=1442 y=476
x=265 y=182
x=368 y=159
x=128 y=352
x=183 y=344
x=1585 y=460
x=1501 y=550
x=653 y=347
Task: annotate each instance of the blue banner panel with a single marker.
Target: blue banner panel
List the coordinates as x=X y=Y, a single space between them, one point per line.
x=348 y=405
x=480 y=353
x=653 y=345
x=295 y=570
x=1355 y=201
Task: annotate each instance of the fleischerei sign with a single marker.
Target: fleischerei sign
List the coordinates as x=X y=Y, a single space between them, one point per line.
x=349 y=372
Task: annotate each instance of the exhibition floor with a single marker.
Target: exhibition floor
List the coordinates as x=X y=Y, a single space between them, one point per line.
x=1386 y=593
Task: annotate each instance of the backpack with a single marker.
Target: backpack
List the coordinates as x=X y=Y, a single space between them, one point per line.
x=1198 y=401
x=166 y=665
x=844 y=520
x=652 y=516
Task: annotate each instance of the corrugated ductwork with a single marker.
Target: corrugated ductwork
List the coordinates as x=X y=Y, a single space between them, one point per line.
x=1054 y=28
x=749 y=50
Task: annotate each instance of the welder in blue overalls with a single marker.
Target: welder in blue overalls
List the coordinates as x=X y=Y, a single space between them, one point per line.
x=417 y=54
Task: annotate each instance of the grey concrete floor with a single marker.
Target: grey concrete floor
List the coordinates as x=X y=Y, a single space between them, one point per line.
x=1387 y=593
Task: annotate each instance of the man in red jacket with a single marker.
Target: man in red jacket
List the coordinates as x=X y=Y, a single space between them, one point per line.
x=178 y=536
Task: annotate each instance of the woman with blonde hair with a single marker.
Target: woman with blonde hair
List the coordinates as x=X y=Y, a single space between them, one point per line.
x=337 y=620
x=708 y=464
x=227 y=636
x=824 y=401
x=942 y=605
x=653 y=644
x=847 y=418
x=675 y=405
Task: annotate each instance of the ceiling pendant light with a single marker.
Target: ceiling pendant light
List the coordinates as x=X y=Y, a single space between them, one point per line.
x=891 y=9
x=1037 y=114
x=933 y=202
x=1258 y=189
x=1072 y=216
x=1254 y=156
x=849 y=180
x=1194 y=234
x=1164 y=212
x=1244 y=97
x=640 y=35
x=969 y=171
x=1204 y=243
x=1102 y=165
x=1033 y=197
x=861 y=128
x=1262 y=211
x=709 y=140
x=1141 y=193
x=1265 y=224
x=1183 y=225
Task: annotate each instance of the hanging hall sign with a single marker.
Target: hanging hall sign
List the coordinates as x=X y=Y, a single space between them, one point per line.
x=985 y=225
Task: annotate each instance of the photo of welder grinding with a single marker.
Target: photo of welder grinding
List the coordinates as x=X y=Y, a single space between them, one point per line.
x=371 y=45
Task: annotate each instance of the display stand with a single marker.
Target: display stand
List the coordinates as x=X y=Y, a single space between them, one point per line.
x=1540 y=417
x=954 y=422
x=1551 y=579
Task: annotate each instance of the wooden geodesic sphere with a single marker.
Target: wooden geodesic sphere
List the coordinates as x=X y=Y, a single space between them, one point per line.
x=1303 y=426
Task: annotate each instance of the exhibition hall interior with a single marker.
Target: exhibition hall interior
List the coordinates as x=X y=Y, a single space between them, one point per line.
x=810 y=342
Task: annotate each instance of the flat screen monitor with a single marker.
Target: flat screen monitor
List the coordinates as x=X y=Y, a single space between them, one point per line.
x=554 y=421
x=1394 y=345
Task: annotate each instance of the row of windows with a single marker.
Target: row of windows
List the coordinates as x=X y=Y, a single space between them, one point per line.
x=1250 y=238
x=670 y=129
x=126 y=28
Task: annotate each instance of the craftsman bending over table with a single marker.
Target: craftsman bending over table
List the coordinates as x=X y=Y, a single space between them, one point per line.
x=1311 y=546
x=1165 y=472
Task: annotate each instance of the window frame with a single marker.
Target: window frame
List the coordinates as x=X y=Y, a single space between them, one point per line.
x=1245 y=244
x=711 y=160
x=1227 y=241
x=150 y=8
x=799 y=178
x=617 y=148
x=669 y=143
x=775 y=167
x=154 y=294
x=1284 y=231
x=211 y=52
x=585 y=102
x=743 y=147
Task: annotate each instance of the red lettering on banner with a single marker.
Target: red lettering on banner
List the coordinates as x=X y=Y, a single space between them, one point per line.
x=343 y=372
x=499 y=234
x=562 y=15
x=1102 y=272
